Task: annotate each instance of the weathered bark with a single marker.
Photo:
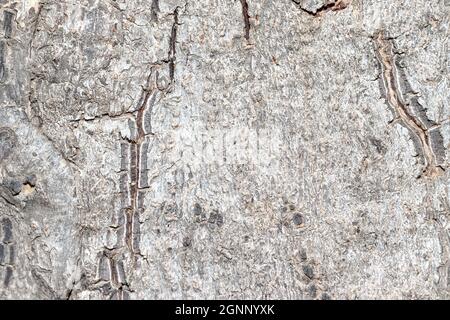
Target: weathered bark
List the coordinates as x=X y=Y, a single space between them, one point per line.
x=289 y=149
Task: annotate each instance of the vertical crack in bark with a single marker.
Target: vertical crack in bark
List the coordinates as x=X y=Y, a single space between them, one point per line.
x=172 y=45
x=7 y=251
x=137 y=149
x=2 y=62
x=7 y=23
x=246 y=19
x=155 y=10
x=36 y=23
x=132 y=182
x=133 y=173
x=111 y=272
x=420 y=128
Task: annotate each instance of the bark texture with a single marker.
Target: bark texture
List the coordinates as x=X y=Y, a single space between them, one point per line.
x=289 y=149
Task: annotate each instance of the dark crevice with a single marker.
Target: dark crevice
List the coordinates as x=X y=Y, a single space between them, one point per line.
x=336 y=5
x=172 y=45
x=137 y=147
x=7 y=23
x=104 y=115
x=2 y=62
x=246 y=19
x=69 y=293
x=155 y=10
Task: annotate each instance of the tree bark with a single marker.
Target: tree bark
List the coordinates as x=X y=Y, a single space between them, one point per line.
x=289 y=149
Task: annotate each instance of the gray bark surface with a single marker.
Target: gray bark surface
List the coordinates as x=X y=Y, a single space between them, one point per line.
x=217 y=149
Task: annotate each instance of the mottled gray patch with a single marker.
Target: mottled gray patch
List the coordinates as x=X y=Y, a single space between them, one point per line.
x=2 y=253
x=7 y=230
x=8 y=276
x=297 y=219
x=2 y=62
x=308 y=271
x=8 y=138
x=7 y=23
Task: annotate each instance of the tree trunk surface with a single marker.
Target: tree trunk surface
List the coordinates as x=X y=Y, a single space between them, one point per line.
x=218 y=149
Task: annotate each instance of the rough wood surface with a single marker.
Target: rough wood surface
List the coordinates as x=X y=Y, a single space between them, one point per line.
x=289 y=149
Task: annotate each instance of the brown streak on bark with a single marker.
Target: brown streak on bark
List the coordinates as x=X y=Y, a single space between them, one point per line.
x=386 y=56
x=246 y=19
